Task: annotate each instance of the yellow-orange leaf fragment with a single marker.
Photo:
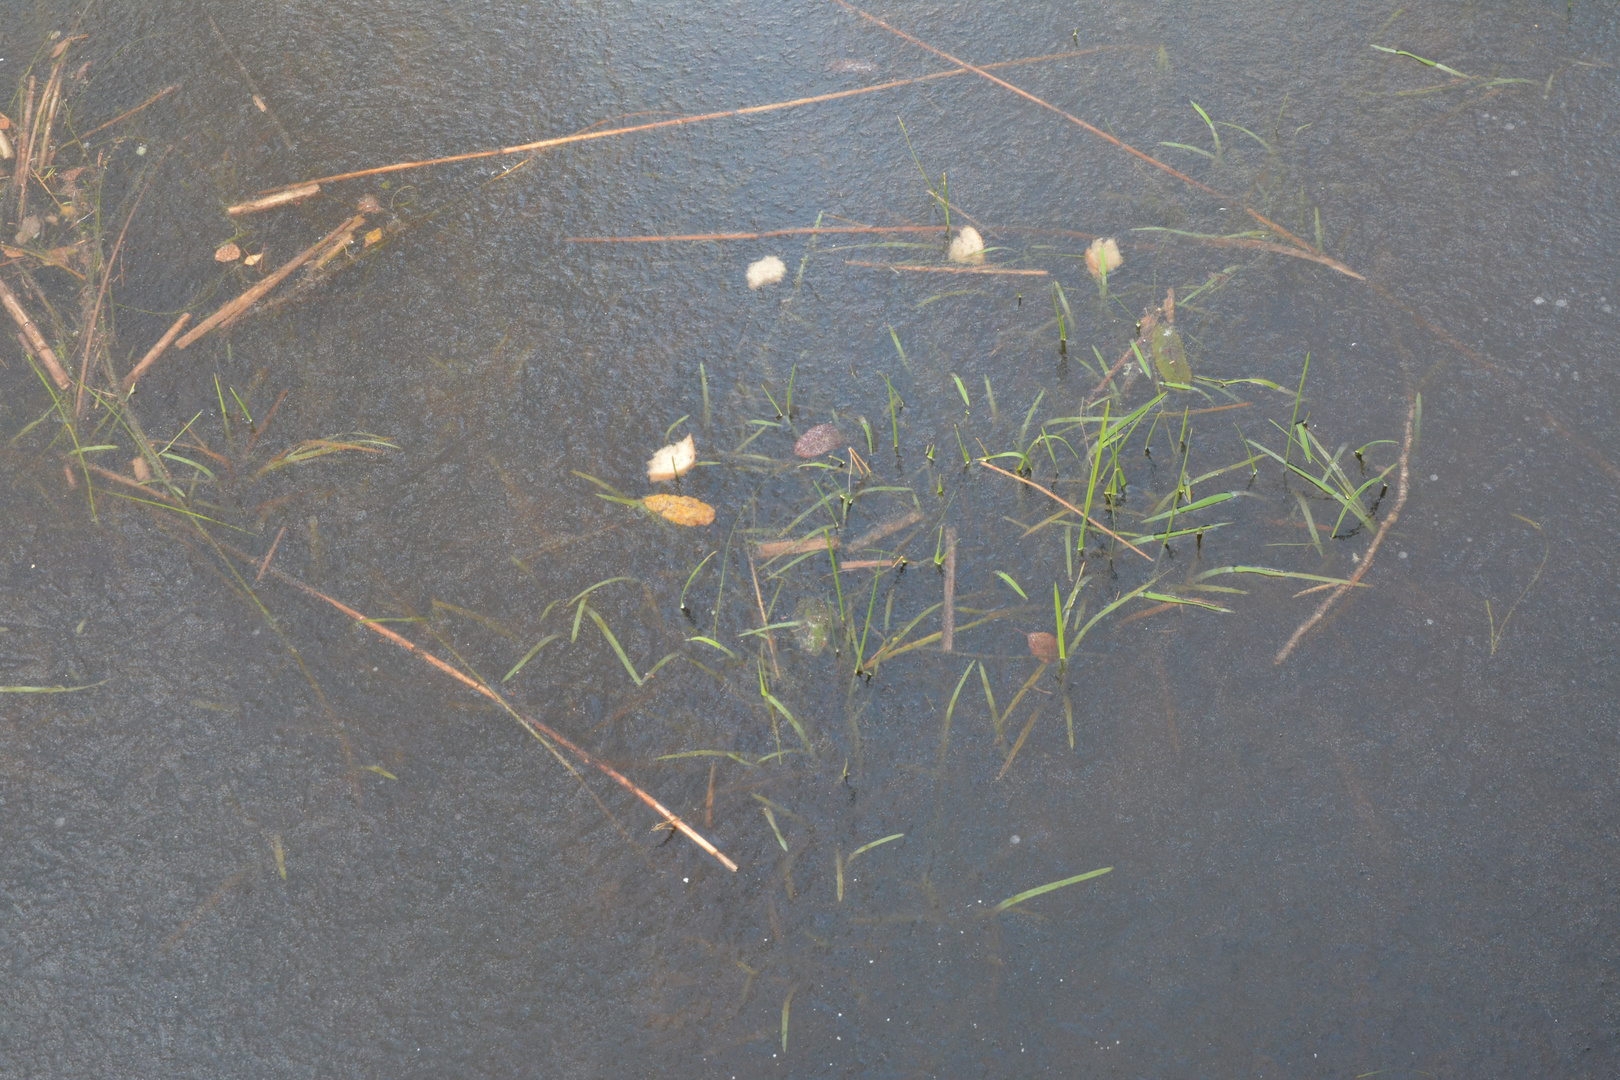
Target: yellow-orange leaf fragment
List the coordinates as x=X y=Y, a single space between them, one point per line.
x=681 y=509
x=373 y=236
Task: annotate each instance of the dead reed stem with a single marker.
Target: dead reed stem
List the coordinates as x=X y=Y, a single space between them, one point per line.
x=1401 y=489
x=806 y=231
x=155 y=351
x=36 y=340
x=280 y=198
x=585 y=136
x=539 y=730
x=983 y=73
x=764 y=620
x=124 y=116
x=1094 y=522
x=947 y=621
x=95 y=310
x=924 y=269
x=235 y=307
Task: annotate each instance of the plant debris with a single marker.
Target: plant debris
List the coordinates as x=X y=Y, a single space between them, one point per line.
x=1103 y=257
x=967 y=247
x=681 y=509
x=821 y=439
x=767 y=271
x=673 y=460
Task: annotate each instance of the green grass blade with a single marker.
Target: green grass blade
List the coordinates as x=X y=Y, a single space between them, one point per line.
x=868 y=847
x=1015 y=586
x=601 y=624
x=531 y=654
x=1040 y=890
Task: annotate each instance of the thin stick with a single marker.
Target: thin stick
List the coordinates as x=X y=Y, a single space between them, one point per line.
x=249 y=298
x=270 y=555
x=1094 y=522
x=155 y=351
x=95 y=312
x=804 y=231
x=946 y=269
x=125 y=116
x=584 y=136
x=1155 y=162
x=252 y=87
x=534 y=727
x=36 y=340
x=268 y=202
x=1280 y=231
x=947 y=625
x=1120 y=363
x=871 y=564
x=708 y=804
x=1276 y=249
x=764 y=621
x=1372 y=549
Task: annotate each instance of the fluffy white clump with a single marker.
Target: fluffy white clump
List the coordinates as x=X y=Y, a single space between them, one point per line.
x=673 y=460
x=767 y=271
x=967 y=247
x=1103 y=257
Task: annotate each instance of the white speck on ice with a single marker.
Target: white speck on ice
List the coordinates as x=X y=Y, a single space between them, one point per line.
x=1434 y=476
x=767 y=271
x=1538 y=301
x=1560 y=303
x=1403 y=554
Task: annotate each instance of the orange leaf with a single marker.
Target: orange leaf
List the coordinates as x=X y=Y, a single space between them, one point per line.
x=681 y=509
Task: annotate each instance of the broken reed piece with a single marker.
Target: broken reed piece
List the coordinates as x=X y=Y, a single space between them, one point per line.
x=36 y=340
x=155 y=351
x=270 y=202
x=947 y=624
x=236 y=307
x=543 y=732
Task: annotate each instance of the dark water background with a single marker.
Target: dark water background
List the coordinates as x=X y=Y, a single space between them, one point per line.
x=1395 y=852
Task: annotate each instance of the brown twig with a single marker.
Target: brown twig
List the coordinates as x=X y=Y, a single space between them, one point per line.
x=805 y=231
x=251 y=296
x=125 y=116
x=947 y=620
x=155 y=351
x=922 y=268
x=253 y=88
x=36 y=340
x=584 y=136
x=764 y=620
x=270 y=555
x=1401 y=489
x=534 y=727
x=95 y=311
x=1094 y=522
x=268 y=202
x=1155 y=162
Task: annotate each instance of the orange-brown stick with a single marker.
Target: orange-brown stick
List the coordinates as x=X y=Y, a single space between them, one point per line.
x=155 y=351
x=534 y=727
x=1094 y=522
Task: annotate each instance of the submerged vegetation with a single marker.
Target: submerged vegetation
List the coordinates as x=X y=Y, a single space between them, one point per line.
x=921 y=529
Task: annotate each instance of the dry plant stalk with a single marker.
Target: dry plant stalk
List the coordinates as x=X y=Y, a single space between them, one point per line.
x=236 y=307
x=155 y=351
x=1095 y=524
x=947 y=622
x=269 y=202
x=36 y=340
x=922 y=268
x=1401 y=489
x=818 y=230
x=541 y=731
x=583 y=136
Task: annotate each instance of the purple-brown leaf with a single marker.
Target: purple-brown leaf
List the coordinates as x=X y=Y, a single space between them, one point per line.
x=821 y=439
x=1044 y=647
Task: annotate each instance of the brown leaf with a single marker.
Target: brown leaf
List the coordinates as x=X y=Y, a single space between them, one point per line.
x=227 y=253
x=681 y=509
x=821 y=439
x=368 y=204
x=1043 y=647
